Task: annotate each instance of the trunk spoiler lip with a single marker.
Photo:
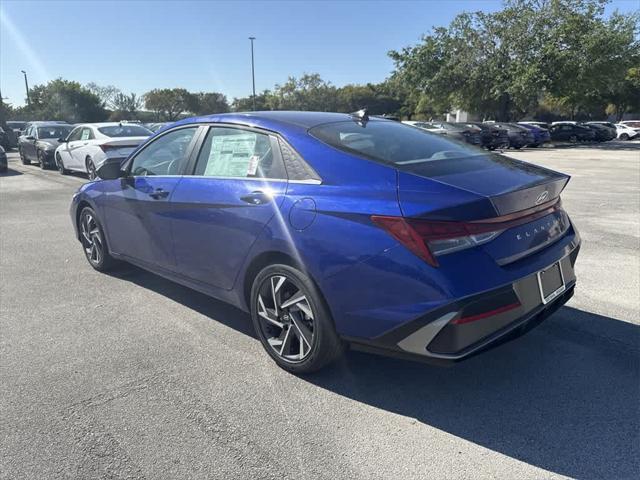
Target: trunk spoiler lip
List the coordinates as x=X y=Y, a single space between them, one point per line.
x=551 y=205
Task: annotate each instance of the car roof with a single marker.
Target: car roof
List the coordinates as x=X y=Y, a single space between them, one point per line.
x=274 y=120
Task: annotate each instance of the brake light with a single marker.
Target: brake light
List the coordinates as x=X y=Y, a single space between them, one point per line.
x=428 y=239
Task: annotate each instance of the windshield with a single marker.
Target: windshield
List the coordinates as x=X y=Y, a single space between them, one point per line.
x=392 y=143
x=57 y=131
x=125 y=131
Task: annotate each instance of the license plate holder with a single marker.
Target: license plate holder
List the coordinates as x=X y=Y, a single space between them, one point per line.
x=551 y=282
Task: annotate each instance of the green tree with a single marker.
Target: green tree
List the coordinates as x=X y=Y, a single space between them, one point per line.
x=376 y=98
x=106 y=94
x=167 y=103
x=125 y=107
x=203 y=103
x=65 y=100
x=245 y=104
x=309 y=92
x=500 y=64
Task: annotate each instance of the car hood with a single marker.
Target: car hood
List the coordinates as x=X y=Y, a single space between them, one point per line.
x=48 y=142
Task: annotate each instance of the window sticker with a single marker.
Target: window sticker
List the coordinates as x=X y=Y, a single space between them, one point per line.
x=85 y=134
x=231 y=155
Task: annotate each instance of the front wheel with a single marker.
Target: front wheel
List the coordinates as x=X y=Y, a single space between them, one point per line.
x=93 y=241
x=60 y=165
x=41 y=160
x=292 y=320
x=91 y=170
x=624 y=136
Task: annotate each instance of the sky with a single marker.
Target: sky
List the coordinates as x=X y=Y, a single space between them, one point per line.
x=203 y=45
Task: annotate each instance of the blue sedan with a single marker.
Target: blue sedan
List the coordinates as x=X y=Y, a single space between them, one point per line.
x=338 y=230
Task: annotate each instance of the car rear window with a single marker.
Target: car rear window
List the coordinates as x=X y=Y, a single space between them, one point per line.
x=125 y=131
x=392 y=143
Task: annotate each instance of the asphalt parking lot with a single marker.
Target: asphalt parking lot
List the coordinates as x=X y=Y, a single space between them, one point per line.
x=131 y=376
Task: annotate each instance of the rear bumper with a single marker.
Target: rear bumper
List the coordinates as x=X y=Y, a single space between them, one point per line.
x=465 y=327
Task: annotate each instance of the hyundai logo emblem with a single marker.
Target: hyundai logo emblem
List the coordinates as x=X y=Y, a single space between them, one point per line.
x=542 y=197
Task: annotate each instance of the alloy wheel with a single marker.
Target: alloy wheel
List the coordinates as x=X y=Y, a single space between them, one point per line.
x=91 y=239
x=43 y=164
x=286 y=318
x=91 y=170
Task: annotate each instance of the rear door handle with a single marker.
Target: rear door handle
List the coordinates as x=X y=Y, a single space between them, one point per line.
x=159 y=193
x=256 y=198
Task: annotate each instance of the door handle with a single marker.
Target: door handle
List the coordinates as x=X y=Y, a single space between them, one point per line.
x=159 y=193
x=256 y=198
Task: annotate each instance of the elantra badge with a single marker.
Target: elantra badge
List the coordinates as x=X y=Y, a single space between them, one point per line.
x=542 y=197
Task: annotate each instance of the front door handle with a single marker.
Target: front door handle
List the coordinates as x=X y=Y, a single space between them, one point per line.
x=256 y=198
x=159 y=193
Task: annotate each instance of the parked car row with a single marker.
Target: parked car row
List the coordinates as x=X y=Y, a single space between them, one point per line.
x=492 y=135
x=488 y=135
x=80 y=148
x=572 y=131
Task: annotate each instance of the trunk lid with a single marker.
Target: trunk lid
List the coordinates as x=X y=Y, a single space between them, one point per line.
x=122 y=146
x=483 y=187
x=475 y=187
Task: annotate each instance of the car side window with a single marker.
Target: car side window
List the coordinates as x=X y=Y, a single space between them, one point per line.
x=75 y=134
x=239 y=153
x=86 y=134
x=166 y=155
x=297 y=168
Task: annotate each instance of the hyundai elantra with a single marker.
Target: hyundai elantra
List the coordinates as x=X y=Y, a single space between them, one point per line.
x=339 y=229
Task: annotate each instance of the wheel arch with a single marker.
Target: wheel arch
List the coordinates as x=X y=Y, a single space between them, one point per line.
x=261 y=261
x=81 y=206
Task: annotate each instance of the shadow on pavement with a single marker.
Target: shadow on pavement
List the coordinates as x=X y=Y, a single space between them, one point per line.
x=10 y=173
x=561 y=398
x=565 y=397
x=219 y=311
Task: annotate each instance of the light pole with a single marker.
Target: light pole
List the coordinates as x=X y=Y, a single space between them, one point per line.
x=253 y=74
x=26 y=86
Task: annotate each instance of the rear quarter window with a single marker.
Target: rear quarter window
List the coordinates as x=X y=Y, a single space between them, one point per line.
x=391 y=142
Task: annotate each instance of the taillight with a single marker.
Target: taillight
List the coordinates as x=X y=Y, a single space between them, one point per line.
x=428 y=239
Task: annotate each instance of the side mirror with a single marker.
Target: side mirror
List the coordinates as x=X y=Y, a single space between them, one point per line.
x=63 y=140
x=110 y=170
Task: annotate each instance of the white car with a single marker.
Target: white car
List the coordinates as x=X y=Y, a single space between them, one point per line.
x=89 y=145
x=635 y=124
x=625 y=132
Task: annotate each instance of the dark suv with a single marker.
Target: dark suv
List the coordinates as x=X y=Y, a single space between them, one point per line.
x=568 y=132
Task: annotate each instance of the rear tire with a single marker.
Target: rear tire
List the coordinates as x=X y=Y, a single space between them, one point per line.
x=94 y=243
x=624 y=137
x=298 y=335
